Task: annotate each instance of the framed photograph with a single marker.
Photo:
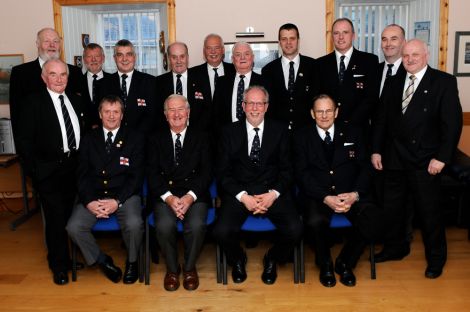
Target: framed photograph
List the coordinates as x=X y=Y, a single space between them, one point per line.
x=265 y=52
x=462 y=53
x=85 y=40
x=423 y=31
x=77 y=61
x=7 y=61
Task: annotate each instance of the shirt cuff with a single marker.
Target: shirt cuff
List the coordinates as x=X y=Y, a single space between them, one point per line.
x=277 y=193
x=165 y=196
x=239 y=195
x=193 y=195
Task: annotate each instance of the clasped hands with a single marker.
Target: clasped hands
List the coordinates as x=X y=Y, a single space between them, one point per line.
x=340 y=203
x=258 y=204
x=103 y=208
x=180 y=205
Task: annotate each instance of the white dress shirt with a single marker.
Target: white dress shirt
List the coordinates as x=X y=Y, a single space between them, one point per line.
x=128 y=80
x=347 y=58
x=396 y=64
x=89 y=79
x=285 y=62
x=210 y=71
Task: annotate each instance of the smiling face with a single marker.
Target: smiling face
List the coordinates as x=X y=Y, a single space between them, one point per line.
x=415 y=56
x=343 y=36
x=324 y=112
x=177 y=112
x=55 y=76
x=289 y=42
x=111 y=115
x=124 y=58
x=255 y=106
x=392 y=43
x=93 y=59
x=242 y=58
x=48 y=44
x=179 y=58
x=214 y=50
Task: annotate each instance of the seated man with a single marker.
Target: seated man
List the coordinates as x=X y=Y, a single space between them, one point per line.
x=333 y=177
x=254 y=172
x=179 y=176
x=110 y=177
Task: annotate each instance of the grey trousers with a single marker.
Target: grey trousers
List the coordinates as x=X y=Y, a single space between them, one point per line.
x=194 y=230
x=130 y=220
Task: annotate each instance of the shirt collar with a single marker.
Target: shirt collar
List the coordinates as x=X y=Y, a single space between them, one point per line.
x=419 y=74
x=286 y=61
x=184 y=75
x=249 y=127
x=129 y=74
x=114 y=132
x=347 y=54
x=322 y=133
x=99 y=74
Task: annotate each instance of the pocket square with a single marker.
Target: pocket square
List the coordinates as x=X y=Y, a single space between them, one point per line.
x=348 y=144
x=357 y=76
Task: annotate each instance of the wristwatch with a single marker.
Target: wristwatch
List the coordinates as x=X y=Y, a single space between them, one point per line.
x=119 y=203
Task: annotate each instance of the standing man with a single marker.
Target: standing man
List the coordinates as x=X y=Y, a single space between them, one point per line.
x=136 y=89
x=110 y=178
x=349 y=76
x=333 y=175
x=49 y=126
x=26 y=78
x=183 y=82
x=291 y=80
x=179 y=166
x=93 y=58
x=228 y=97
x=393 y=39
x=255 y=174
x=209 y=72
x=416 y=133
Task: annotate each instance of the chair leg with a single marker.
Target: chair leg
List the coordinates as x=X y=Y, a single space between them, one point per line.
x=296 y=264
x=372 y=261
x=301 y=262
x=218 y=263
x=141 y=264
x=224 y=267
x=74 y=262
x=147 y=253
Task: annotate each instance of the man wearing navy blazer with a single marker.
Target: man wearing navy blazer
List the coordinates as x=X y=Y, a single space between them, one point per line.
x=110 y=178
x=416 y=133
x=291 y=81
x=50 y=124
x=136 y=89
x=93 y=59
x=350 y=77
x=229 y=93
x=181 y=81
x=255 y=174
x=334 y=176
x=209 y=72
x=26 y=78
x=179 y=172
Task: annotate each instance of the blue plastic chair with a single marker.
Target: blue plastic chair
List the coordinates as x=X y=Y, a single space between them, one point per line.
x=339 y=221
x=260 y=224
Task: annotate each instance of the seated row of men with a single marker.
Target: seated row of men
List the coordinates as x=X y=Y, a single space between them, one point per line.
x=416 y=130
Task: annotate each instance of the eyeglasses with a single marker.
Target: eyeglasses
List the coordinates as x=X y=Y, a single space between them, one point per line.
x=253 y=104
x=324 y=112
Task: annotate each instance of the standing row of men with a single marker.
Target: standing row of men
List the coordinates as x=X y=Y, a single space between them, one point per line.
x=415 y=130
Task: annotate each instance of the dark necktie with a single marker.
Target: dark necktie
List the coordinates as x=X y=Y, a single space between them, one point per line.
x=240 y=90
x=68 y=125
x=255 y=149
x=94 y=90
x=109 y=142
x=342 y=69
x=328 y=140
x=216 y=76
x=179 y=85
x=389 y=70
x=124 y=88
x=290 y=84
x=178 y=149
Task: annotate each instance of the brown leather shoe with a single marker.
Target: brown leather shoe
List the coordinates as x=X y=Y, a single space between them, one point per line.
x=171 y=281
x=190 y=280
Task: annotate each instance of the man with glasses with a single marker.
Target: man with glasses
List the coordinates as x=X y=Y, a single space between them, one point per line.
x=333 y=175
x=254 y=172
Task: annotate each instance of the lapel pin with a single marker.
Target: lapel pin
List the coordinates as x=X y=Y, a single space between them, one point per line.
x=301 y=74
x=341 y=134
x=425 y=91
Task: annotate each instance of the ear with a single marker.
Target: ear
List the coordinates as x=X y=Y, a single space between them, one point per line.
x=312 y=113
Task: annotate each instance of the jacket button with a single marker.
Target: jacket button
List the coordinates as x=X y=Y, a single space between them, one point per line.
x=331 y=172
x=103 y=172
x=170 y=182
x=105 y=182
x=333 y=187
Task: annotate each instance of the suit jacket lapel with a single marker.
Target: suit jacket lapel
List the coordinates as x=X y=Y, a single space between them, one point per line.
x=135 y=82
x=49 y=109
x=317 y=142
x=420 y=93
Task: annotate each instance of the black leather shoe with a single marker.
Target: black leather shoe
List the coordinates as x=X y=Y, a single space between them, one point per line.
x=346 y=274
x=386 y=255
x=270 y=271
x=112 y=272
x=432 y=272
x=238 y=270
x=131 y=274
x=327 y=275
x=61 y=278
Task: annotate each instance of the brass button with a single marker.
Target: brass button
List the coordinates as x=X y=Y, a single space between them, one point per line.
x=105 y=182
x=170 y=182
x=339 y=104
x=106 y=192
x=103 y=172
x=333 y=187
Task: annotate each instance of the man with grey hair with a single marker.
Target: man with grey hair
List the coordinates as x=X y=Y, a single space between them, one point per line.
x=179 y=174
x=26 y=78
x=135 y=88
x=415 y=136
x=228 y=96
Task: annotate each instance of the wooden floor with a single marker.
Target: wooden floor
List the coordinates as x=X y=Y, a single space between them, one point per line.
x=26 y=283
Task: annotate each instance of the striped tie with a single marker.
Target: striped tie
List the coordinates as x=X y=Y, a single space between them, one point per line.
x=68 y=125
x=408 y=94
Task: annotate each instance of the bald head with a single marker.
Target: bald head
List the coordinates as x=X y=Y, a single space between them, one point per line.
x=415 y=56
x=392 y=41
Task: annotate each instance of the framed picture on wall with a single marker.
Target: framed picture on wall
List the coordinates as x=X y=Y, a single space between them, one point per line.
x=265 y=52
x=7 y=61
x=462 y=53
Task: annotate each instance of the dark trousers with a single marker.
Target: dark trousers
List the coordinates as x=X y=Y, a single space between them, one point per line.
x=365 y=220
x=194 y=231
x=57 y=195
x=426 y=193
x=282 y=214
